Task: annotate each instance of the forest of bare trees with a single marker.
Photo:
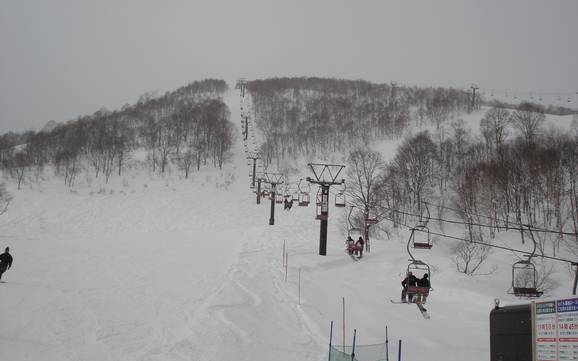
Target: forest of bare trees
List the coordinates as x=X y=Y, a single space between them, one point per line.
x=302 y=116
x=187 y=128
x=517 y=172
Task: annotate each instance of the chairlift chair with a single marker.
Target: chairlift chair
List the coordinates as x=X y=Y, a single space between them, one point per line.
x=353 y=235
x=423 y=242
x=303 y=194
x=418 y=269
x=279 y=198
x=524 y=279
x=319 y=215
x=295 y=196
x=340 y=198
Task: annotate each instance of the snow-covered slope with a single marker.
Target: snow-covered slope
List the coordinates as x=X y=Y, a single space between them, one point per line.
x=152 y=268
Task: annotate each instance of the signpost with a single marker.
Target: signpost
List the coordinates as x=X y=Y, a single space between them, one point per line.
x=555 y=330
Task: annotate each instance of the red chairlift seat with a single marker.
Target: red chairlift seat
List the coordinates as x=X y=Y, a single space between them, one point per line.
x=303 y=199
x=340 y=200
x=424 y=291
x=279 y=198
x=527 y=292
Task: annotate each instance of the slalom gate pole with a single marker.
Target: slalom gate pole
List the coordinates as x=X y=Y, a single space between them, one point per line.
x=353 y=349
x=399 y=351
x=386 y=345
x=330 y=339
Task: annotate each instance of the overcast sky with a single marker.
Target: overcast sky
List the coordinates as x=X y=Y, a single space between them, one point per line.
x=64 y=58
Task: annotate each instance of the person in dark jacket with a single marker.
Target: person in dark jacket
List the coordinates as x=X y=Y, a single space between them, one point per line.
x=5 y=261
x=359 y=246
x=410 y=280
x=423 y=282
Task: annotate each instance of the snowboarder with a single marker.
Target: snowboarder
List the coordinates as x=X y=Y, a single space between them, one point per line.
x=287 y=204
x=409 y=280
x=5 y=261
x=423 y=282
x=359 y=247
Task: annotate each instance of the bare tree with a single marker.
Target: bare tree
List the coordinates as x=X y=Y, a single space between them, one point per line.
x=528 y=118
x=470 y=256
x=363 y=173
x=5 y=199
x=494 y=127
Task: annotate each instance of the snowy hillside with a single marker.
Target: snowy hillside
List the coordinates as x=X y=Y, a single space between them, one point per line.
x=150 y=268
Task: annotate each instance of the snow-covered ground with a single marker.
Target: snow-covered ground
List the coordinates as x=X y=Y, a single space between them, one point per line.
x=150 y=268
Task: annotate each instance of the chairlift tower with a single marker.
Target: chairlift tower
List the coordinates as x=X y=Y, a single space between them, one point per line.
x=274 y=179
x=474 y=88
x=259 y=180
x=325 y=176
x=254 y=156
x=241 y=84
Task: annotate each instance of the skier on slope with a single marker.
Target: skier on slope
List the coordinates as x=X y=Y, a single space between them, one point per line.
x=410 y=280
x=5 y=261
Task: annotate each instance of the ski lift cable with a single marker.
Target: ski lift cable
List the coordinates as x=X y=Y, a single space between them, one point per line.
x=521 y=228
x=540 y=230
x=534 y=229
x=487 y=244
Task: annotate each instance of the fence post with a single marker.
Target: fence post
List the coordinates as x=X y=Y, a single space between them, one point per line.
x=330 y=339
x=299 y=288
x=386 y=345
x=286 y=265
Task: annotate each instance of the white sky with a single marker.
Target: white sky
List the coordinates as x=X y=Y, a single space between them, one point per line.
x=63 y=58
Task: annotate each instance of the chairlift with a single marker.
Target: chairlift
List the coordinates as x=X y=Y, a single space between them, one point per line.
x=303 y=194
x=295 y=196
x=318 y=198
x=524 y=275
x=279 y=198
x=422 y=242
x=340 y=198
x=418 y=269
x=320 y=216
x=524 y=279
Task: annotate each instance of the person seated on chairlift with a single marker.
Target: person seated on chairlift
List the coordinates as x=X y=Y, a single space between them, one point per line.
x=350 y=245
x=423 y=282
x=287 y=204
x=359 y=246
x=409 y=280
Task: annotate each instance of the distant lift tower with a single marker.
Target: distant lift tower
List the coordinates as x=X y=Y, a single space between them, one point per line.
x=241 y=84
x=325 y=175
x=274 y=179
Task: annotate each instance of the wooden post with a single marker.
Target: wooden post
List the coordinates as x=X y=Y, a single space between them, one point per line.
x=353 y=348
x=386 y=345
x=299 y=288
x=330 y=339
x=343 y=323
x=286 y=265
